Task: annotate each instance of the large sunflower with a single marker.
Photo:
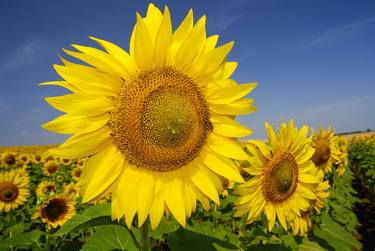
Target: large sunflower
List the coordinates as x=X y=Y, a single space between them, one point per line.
x=280 y=182
x=326 y=152
x=158 y=122
x=56 y=210
x=14 y=190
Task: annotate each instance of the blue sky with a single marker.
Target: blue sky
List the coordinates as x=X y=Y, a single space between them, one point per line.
x=314 y=60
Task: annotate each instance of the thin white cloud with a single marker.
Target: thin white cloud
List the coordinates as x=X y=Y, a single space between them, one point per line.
x=340 y=32
x=3 y=107
x=225 y=14
x=23 y=133
x=29 y=52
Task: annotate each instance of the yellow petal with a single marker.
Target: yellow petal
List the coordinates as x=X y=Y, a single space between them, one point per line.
x=211 y=43
x=174 y=195
x=72 y=124
x=180 y=35
x=228 y=127
x=104 y=169
x=157 y=207
x=153 y=20
x=307 y=193
x=307 y=178
x=239 y=107
x=87 y=80
x=110 y=61
x=221 y=166
x=210 y=62
x=226 y=147
x=121 y=55
x=281 y=217
x=229 y=68
x=201 y=179
x=143 y=45
x=271 y=216
x=77 y=104
x=229 y=94
x=85 y=144
x=145 y=195
x=163 y=39
x=192 y=44
x=127 y=190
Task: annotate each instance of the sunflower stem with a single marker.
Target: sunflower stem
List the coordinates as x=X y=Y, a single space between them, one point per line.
x=144 y=238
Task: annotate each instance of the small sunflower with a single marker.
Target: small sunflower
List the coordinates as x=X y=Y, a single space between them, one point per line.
x=56 y=210
x=71 y=189
x=45 y=188
x=50 y=167
x=14 y=190
x=326 y=152
x=9 y=159
x=76 y=172
x=158 y=122
x=66 y=162
x=280 y=183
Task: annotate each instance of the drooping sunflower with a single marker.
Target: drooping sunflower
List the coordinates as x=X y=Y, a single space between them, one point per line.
x=14 y=190
x=158 y=121
x=280 y=182
x=45 y=188
x=50 y=167
x=301 y=224
x=326 y=152
x=343 y=161
x=56 y=210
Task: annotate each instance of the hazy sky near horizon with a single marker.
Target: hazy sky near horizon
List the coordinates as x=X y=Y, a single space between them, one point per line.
x=314 y=61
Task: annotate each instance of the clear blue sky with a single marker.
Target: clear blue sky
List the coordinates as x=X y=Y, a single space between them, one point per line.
x=314 y=60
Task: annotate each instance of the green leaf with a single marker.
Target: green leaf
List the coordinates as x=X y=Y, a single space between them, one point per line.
x=92 y=216
x=308 y=245
x=186 y=240
x=110 y=237
x=166 y=226
x=334 y=235
x=21 y=240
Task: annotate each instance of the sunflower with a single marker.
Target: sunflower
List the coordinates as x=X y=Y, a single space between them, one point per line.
x=158 y=122
x=9 y=159
x=56 y=210
x=280 y=182
x=45 y=188
x=300 y=224
x=66 y=162
x=343 y=161
x=71 y=189
x=76 y=172
x=50 y=167
x=14 y=190
x=326 y=152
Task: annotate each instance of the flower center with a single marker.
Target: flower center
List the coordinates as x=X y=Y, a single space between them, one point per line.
x=322 y=152
x=10 y=159
x=55 y=210
x=280 y=177
x=8 y=192
x=160 y=120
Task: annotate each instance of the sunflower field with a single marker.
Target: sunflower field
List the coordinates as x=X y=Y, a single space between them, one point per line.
x=42 y=209
x=156 y=159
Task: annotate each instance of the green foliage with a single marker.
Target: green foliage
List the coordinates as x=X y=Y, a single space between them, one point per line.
x=22 y=240
x=110 y=237
x=362 y=163
x=92 y=216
